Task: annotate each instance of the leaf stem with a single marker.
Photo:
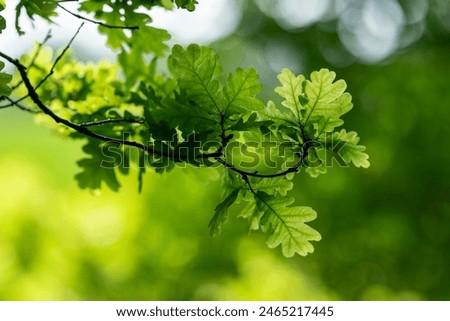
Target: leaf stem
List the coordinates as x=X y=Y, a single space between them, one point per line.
x=113 y=121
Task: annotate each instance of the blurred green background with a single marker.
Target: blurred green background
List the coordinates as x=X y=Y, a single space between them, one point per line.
x=386 y=230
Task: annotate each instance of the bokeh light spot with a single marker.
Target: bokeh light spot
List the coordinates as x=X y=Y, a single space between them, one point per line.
x=211 y=21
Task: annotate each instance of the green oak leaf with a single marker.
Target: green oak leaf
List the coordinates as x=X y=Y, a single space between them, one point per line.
x=327 y=98
x=273 y=186
x=250 y=211
x=156 y=45
x=350 y=151
x=286 y=226
x=160 y=129
x=325 y=125
x=320 y=101
x=133 y=54
x=278 y=116
x=2 y=20
x=187 y=117
x=96 y=169
x=244 y=123
x=315 y=163
x=221 y=213
x=240 y=93
x=46 y=9
x=186 y=4
x=193 y=145
x=291 y=89
x=196 y=68
x=2 y=24
x=4 y=80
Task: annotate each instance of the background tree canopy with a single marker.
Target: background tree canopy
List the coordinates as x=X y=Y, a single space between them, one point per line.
x=385 y=230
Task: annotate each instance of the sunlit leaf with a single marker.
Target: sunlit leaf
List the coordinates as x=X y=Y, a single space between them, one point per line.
x=327 y=98
x=273 y=186
x=350 y=151
x=291 y=89
x=286 y=226
x=242 y=88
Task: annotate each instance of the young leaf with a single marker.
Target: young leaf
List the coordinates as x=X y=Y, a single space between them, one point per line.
x=286 y=225
x=242 y=88
x=273 y=186
x=350 y=151
x=273 y=113
x=249 y=123
x=221 y=213
x=326 y=125
x=291 y=89
x=315 y=163
x=326 y=97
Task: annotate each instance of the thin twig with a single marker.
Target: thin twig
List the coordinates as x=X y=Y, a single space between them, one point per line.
x=13 y=102
x=33 y=59
x=97 y=22
x=112 y=121
x=52 y=69
x=20 y=106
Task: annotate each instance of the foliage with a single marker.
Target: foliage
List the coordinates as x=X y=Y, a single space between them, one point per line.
x=2 y=20
x=192 y=115
x=4 y=81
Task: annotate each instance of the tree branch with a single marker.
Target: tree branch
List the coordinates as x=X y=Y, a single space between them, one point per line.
x=40 y=45
x=14 y=87
x=52 y=69
x=83 y=128
x=16 y=102
x=97 y=22
x=293 y=169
